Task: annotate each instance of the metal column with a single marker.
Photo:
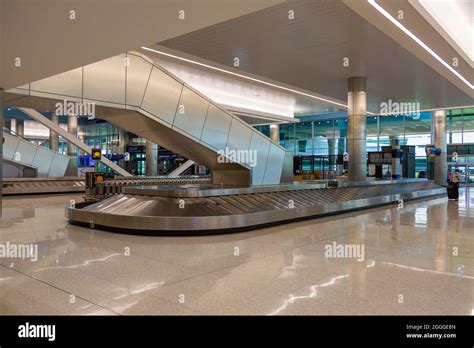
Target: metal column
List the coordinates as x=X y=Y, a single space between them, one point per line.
x=440 y=162
x=151 y=159
x=72 y=129
x=122 y=147
x=9 y=123
x=332 y=152
x=53 y=136
x=356 y=128
x=396 y=157
x=71 y=149
x=20 y=127
x=275 y=133
x=1 y=154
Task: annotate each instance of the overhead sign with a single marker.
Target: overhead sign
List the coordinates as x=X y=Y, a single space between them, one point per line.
x=380 y=157
x=96 y=154
x=432 y=151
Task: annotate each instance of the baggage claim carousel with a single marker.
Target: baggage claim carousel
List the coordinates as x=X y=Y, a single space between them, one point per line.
x=205 y=208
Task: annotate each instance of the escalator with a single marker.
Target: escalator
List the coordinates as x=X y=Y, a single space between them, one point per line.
x=182 y=169
x=26 y=159
x=132 y=92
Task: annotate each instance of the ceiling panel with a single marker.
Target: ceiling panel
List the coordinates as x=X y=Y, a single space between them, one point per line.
x=308 y=51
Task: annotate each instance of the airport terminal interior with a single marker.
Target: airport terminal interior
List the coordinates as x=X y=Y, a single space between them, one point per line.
x=266 y=157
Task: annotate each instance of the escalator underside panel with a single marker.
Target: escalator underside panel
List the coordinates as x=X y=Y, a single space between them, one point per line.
x=158 y=214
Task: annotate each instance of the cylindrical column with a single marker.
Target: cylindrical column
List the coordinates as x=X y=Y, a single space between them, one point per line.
x=151 y=160
x=122 y=146
x=72 y=129
x=341 y=142
x=1 y=153
x=53 y=136
x=440 y=162
x=356 y=128
x=332 y=152
x=71 y=149
x=275 y=133
x=20 y=127
x=396 y=157
x=9 y=123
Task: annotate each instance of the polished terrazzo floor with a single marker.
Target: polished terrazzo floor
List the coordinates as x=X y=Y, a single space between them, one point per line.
x=419 y=259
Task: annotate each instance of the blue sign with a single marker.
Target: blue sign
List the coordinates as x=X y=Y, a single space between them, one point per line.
x=432 y=151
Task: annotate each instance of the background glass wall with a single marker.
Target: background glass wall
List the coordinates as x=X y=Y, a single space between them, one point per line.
x=315 y=135
x=460 y=126
x=100 y=135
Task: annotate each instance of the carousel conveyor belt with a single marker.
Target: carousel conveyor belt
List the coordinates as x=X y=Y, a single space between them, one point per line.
x=203 y=209
x=50 y=185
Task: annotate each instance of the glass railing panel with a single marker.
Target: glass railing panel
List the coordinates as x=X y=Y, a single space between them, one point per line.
x=162 y=95
x=191 y=113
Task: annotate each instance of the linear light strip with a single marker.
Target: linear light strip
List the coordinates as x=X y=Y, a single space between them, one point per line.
x=418 y=41
x=245 y=77
x=277 y=86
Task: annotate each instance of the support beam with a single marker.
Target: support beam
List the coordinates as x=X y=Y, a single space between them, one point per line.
x=356 y=129
x=1 y=154
x=151 y=158
x=72 y=129
x=20 y=127
x=71 y=149
x=396 y=157
x=9 y=123
x=275 y=133
x=53 y=136
x=70 y=138
x=182 y=168
x=122 y=146
x=332 y=152
x=440 y=162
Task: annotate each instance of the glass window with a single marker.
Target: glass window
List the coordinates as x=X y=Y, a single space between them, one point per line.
x=323 y=130
x=304 y=141
x=340 y=132
x=287 y=136
x=454 y=126
x=371 y=135
x=391 y=126
x=264 y=129
x=468 y=125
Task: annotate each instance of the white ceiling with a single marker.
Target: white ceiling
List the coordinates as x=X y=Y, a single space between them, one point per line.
x=307 y=52
x=252 y=97
x=454 y=20
x=234 y=94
